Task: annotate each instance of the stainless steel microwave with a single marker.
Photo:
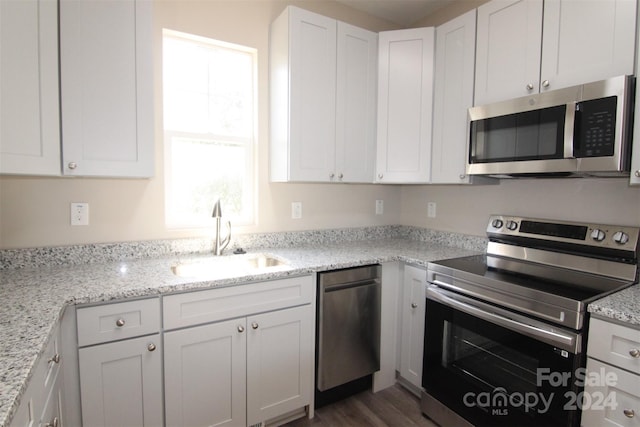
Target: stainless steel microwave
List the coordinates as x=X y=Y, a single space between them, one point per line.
x=579 y=130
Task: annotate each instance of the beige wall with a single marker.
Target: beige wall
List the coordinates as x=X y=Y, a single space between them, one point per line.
x=35 y=211
x=465 y=209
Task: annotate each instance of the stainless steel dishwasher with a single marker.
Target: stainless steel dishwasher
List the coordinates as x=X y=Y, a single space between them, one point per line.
x=348 y=340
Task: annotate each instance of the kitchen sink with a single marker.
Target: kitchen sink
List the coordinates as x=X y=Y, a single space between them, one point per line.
x=227 y=266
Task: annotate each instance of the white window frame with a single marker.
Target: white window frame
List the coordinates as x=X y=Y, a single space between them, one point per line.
x=249 y=196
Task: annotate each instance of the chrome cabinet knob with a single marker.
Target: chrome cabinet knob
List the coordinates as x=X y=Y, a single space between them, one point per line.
x=545 y=83
x=53 y=423
x=635 y=353
x=72 y=165
x=529 y=86
x=254 y=325
x=414 y=305
x=331 y=175
x=240 y=328
x=120 y=322
x=151 y=347
x=637 y=173
x=54 y=359
x=462 y=176
x=380 y=176
x=340 y=176
x=629 y=413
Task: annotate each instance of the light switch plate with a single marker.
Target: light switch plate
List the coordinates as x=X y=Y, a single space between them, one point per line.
x=379 y=207
x=296 y=210
x=79 y=213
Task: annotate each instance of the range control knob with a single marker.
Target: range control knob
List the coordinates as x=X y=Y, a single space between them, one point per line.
x=497 y=223
x=598 y=235
x=512 y=225
x=620 y=237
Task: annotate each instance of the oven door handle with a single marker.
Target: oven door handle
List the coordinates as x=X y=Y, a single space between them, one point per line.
x=563 y=340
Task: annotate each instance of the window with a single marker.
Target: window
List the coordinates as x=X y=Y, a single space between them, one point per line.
x=209 y=130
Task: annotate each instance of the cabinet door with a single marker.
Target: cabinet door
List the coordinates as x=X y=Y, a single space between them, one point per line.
x=205 y=375
x=53 y=407
x=303 y=95
x=121 y=383
x=357 y=65
x=453 y=96
x=106 y=87
x=29 y=100
x=280 y=348
x=405 y=98
x=413 y=311
x=612 y=398
x=587 y=41
x=508 y=49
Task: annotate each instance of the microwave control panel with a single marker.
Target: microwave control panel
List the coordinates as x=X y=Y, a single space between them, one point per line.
x=595 y=128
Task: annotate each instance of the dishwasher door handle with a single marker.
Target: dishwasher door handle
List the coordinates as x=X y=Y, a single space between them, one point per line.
x=341 y=286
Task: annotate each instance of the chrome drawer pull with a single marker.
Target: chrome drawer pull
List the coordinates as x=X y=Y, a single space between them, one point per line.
x=54 y=359
x=54 y=423
x=635 y=353
x=629 y=413
x=120 y=322
x=254 y=325
x=151 y=347
x=240 y=328
x=414 y=305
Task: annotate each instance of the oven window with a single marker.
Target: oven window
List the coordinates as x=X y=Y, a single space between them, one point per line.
x=489 y=364
x=493 y=376
x=531 y=135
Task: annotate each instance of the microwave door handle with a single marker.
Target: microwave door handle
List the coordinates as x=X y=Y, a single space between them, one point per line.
x=569 y=128
x=557 y=338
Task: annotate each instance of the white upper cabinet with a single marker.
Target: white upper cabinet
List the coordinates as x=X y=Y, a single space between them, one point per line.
x=323 y=76
x=356 y=108
x=106 y=87
x=29 y=97
x=508 y=49
x=453 y=96
x=522 y=51
x=585 y=41
x=405 y=102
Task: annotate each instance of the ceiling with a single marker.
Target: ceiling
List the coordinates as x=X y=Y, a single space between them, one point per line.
x=401 y=12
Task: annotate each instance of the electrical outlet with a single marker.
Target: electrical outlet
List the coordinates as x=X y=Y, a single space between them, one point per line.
x=431 y=209
x=296 y=210
x=79 y=213
x=379 y=207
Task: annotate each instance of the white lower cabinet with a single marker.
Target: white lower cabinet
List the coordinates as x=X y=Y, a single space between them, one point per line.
x=250 y=362
x=611 y=395
x=42 y=403
x=412 y=331
x=121 y=383
x=120 y=364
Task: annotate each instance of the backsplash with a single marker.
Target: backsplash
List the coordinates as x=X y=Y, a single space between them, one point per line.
x=113 y=252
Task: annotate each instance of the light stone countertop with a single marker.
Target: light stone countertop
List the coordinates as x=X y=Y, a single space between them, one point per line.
x=623 y=306
x=33 y=299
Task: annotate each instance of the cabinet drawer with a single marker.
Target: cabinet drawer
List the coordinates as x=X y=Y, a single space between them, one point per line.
x=613 y=400
x=110 y=322
x=615 y=344
x=212 y=305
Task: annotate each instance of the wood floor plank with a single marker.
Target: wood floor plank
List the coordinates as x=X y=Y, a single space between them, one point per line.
x=392 y=407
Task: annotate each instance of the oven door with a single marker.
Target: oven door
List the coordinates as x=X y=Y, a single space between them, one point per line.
x=493 y=367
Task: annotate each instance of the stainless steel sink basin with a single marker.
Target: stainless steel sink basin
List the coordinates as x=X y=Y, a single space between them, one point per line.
x=226 y=266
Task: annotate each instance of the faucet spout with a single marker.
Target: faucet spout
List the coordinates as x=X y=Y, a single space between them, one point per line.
x=220 y=244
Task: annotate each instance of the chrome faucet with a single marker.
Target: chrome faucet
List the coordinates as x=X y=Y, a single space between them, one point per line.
x=218 y=244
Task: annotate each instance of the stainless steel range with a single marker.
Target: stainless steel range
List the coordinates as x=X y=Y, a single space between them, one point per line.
x=505 y=332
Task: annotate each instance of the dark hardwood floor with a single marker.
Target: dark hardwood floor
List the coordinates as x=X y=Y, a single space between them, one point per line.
x=392 y=407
